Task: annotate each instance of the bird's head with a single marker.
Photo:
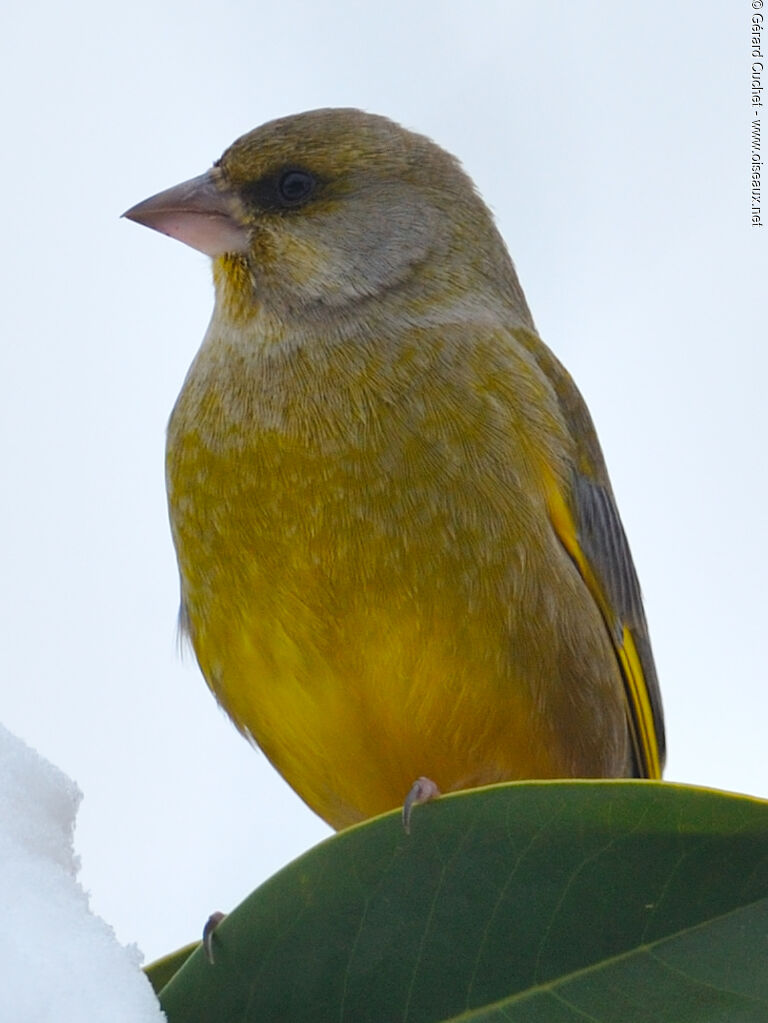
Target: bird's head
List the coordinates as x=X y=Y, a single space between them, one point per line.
x=324 y=210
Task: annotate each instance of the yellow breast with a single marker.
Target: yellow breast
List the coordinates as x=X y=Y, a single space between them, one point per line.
x=370 y=580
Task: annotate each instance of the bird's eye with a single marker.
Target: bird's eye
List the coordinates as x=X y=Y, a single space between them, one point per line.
x=295 y=186
x=286 y=189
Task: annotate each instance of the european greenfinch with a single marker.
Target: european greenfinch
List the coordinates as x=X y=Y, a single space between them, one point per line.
x=399 y=551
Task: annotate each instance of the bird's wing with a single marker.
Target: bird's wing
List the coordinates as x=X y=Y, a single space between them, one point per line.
x=587 y=522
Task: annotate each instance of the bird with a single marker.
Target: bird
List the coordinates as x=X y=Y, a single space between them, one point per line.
x=402 y=567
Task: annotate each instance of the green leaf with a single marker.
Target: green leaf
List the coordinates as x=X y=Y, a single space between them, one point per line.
x=161 y=970
x=550 y=901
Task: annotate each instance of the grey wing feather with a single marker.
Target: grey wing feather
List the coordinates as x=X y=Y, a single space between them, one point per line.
x=604 y=542
x=600 y=532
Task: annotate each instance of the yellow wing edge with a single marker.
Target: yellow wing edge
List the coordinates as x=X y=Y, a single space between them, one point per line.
x=640 y=712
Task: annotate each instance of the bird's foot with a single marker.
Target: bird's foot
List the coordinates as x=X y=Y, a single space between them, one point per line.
x=211 y=924
x=422 y=790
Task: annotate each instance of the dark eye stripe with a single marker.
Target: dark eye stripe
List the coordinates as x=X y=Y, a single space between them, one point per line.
x=287 y=189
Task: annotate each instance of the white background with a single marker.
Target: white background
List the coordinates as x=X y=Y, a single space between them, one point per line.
x=612 y=142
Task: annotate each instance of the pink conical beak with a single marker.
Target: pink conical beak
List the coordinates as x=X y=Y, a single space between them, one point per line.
x=197 y=212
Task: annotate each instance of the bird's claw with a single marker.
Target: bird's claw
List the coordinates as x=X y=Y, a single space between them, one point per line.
x=422 y=790
x=211 y=924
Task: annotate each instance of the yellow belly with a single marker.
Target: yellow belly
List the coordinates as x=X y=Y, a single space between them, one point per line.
x=370 y=605
x=351 y=732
